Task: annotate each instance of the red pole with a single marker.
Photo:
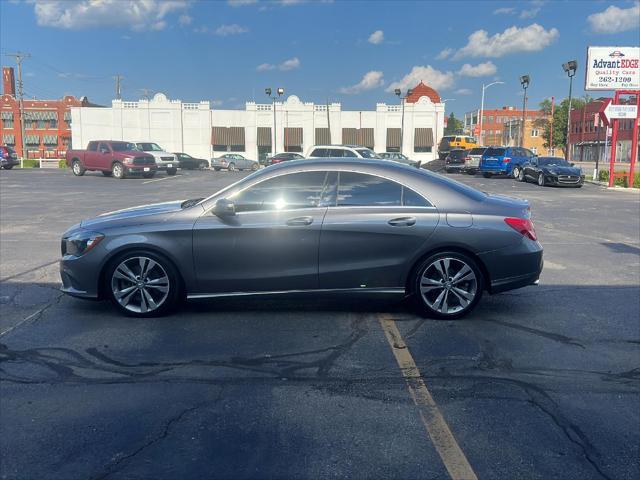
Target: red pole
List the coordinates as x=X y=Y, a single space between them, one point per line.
x=614 y=140
x=634 y=142
x=553 y=104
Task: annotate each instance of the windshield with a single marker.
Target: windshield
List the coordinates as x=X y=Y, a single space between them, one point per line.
x=477 y=151
x=149 y=147
x=494 y=152
x=123 y=146
x=366 y=153
x=558 y=162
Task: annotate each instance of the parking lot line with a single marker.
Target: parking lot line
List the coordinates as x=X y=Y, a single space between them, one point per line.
x=445 y=443
x=160 y=179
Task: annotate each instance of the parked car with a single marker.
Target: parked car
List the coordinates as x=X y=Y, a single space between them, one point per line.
x=164 y=160
x=455 y=161
x=283 y=157
x=504 y=161
x=551 y=171
x=463 y=141
x=188 y=162
x=341 y=151
x=324 y=225
x=400 y=158
x=120 y=159
x=472 y=160
x=233 y=161
x=445 y=146
x=8 y=157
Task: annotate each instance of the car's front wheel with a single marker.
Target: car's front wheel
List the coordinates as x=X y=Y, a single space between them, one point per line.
x=516 y=172
x=448 y=285
x=232 y=167
x=541 y=181
x=117 y=170
x=203 y=165
x=521 y=176
x=143 y=284
x=8 y=167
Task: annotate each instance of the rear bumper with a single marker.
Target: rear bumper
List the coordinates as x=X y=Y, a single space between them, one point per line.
x=494 y=170
x=514 y=266
x=454 y=166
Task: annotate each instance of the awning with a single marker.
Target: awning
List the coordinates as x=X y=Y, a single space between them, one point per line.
x=366 y=137
x=9 y=139
x=293 y=136
x=264 y=136
x=49 y=115
x=349 y=136
x=236 y=135
x=323 y=136
x=219 y=136
x=393 y=137
x=43 y=115
x=50 y=139
x=6 y=115
x=423 y=137
x=32 y=139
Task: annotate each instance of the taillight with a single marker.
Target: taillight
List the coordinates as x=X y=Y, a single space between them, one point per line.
x=506 y=160
x=523 y=226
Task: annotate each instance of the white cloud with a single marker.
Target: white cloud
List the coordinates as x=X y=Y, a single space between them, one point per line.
x=290 y=64
x=370 y=80
x=513 y=40
x=463 y=91
x=614 y=19
x=481 y=70
x=241 y=3
x=232 y=29
x=185 y=20
x=531 y=13
x=427 y=74
x=504 y=11
x=81 y=14
x=376 y=37
x=216 y=103
x=444 y=53
x=263 y=67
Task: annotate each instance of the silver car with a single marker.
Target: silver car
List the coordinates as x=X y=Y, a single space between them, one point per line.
x=325 y=225
x=234 y=161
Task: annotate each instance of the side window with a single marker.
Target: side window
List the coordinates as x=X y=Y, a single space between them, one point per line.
x=93 y=146
x=297 y=190
x=359 y=189
x=412 y=199
x=319 y=152
x=104 y=148
x=349 y=153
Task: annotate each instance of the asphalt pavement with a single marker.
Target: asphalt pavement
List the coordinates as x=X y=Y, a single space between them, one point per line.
x=537 y=383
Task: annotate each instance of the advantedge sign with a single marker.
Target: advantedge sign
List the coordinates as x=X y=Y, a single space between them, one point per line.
x=613 y=68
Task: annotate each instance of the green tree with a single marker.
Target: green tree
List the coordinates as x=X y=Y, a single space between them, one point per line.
x=454 y=125
x=559 y=121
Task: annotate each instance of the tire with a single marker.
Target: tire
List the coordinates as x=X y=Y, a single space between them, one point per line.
x=171 y=171
x=106 y=173
x=521 y=177
x=255 y=167
x=486 y=175
x=8 y=167
x=541 y=181
x=217 y=169
x=149 y=174
x=232 y=167
x=515 y=173
x=117 y=170
x=77 y=168
x=447 y=299
x=143 y=284
x=448 y=170
x=203 y=165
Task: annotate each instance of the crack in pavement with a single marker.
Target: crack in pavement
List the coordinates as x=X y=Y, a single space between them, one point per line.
x=37 y=315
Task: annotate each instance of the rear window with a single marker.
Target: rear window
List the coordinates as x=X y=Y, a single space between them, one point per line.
x=494 y=152
x=458 y=153
x=477 y=151
x=444 y=143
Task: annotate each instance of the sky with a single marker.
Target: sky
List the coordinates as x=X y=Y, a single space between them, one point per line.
x=348 y=51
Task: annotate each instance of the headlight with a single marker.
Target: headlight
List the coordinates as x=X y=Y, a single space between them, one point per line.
x=127 y=159
x=80 y=243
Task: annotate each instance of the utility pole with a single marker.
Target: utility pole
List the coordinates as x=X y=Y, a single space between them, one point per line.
x=19 y=56
x=118 y=78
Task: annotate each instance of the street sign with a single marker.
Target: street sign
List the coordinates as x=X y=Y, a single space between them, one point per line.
x=620 y=111
x=603 y=117
x=612 y=68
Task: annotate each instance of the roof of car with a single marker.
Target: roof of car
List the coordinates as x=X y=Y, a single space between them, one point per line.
x=338 y=146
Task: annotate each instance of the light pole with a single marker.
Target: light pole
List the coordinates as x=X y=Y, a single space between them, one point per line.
x=484 y=87
x=280 y=92
x=524 y=81
x=570 y=67
x=398 y=92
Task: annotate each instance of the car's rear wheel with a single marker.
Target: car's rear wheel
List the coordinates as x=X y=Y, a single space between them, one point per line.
x=117 y=170
x=143 y=284
x=232 y=167
x=77 y=168
x=515 y=173
x=203 y=165
x=217 y=169
x=254 y=167
x=486 y=175
x=541 y=181
x=106 y=173
x=521 y=177
x=171 y=171
x=448 y=285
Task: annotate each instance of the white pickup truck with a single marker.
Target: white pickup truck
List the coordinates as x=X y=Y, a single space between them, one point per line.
x=164 y=160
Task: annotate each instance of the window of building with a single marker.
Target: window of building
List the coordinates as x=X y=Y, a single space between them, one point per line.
x=422 y=149
x=41 y=124
x=490 y=118
x=534 y=133
x=53 y=124
x=7 y=123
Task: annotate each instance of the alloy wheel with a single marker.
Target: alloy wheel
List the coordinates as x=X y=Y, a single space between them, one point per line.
x=448 y=285
x=76 y=168
x=521 y=176
x=140 y=284
x=516 y=172
x=541 y=180
x=118 y=171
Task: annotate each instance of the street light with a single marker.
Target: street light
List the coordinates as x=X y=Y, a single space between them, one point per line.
x=398 y=92
x=570 y=68
x=524 y=81
x=484 y=87
x=280 y=92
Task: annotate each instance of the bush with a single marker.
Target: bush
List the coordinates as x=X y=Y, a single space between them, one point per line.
x=62 y=163
x=30 y=163
x=603 y=176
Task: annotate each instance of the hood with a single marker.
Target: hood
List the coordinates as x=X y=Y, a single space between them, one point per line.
x=562 y=170
x=134 y=153
x=133 y=215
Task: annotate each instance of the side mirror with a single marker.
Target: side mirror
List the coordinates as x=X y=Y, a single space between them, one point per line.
x=224 y=208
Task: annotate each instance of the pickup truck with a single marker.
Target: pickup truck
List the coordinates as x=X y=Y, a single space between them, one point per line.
x=164 y=160
x=120 y=159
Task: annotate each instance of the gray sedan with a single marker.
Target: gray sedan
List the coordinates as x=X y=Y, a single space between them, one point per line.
x=234 y=161
x=326 y=225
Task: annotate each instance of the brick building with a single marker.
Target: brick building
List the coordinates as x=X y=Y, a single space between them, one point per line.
x=493 y=122
x=587 y=135
x=533 y=136
x=47 y=122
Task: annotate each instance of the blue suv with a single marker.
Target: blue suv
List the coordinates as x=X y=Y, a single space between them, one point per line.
x=504 y=161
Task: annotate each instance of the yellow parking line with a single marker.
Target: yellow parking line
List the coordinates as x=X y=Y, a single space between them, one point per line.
x=450 y=452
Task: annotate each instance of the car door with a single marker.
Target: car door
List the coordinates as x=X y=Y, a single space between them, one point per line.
x=103 y=157
x=531 y=169
x=372 y=232
x=90 y=157
x=270 y=244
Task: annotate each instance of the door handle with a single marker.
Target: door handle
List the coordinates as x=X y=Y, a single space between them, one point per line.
x=402 y=222
x=300 y=221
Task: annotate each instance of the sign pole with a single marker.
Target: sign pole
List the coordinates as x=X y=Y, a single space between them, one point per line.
x=614 y=141
x=634 y=142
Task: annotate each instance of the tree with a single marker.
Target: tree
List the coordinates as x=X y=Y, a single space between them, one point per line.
x=454 y=125
x=559 y=120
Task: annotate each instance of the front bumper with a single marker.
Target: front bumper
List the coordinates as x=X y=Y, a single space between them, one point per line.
x=561 y=181
x=514 y=266
x=81 y=275
x=140 y=169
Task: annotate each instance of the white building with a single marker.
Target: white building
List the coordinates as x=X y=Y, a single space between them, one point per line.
x=198 y=130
